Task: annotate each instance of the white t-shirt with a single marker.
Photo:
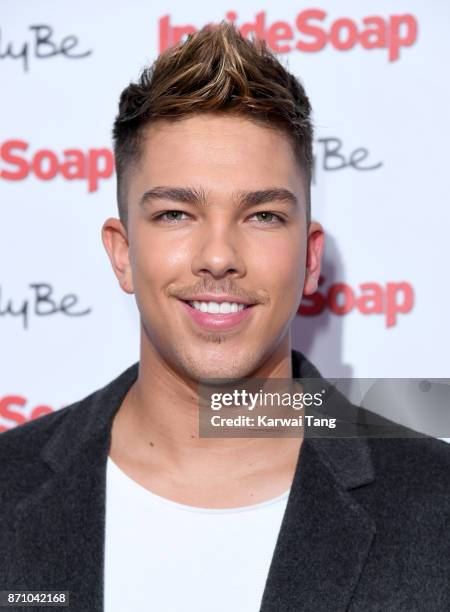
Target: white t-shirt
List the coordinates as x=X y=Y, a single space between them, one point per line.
x=161 y=556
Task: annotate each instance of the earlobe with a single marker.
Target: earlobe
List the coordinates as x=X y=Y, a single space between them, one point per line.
x=311 y=283
x=115 y=241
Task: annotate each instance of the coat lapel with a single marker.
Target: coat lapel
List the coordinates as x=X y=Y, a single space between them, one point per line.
x=324 y=538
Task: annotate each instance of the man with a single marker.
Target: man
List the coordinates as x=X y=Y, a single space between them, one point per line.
x=117 y=499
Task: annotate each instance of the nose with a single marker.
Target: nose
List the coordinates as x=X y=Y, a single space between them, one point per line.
x=217 y=253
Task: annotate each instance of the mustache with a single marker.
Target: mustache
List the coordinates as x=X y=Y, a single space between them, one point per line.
x=227 y=287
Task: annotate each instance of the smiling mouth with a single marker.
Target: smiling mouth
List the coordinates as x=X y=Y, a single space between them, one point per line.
x=217 y=308
x=217 y=316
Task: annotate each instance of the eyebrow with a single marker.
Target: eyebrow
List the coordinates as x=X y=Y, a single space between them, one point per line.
x=197 y=197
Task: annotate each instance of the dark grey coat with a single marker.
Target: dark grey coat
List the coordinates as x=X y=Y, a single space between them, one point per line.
x=366 y=528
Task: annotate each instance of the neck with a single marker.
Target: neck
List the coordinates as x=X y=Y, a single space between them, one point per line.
x=156 y=430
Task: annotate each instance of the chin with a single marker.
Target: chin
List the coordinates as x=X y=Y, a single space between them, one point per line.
x=218 y=363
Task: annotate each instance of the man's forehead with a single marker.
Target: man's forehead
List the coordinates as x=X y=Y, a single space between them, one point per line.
x=170 y=156
x=215 y=127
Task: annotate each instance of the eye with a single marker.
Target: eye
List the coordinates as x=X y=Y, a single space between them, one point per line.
x=268 y=218
x=171 y=216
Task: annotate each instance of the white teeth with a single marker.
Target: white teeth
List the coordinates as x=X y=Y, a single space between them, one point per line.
x=225 y=308
x=216 y=308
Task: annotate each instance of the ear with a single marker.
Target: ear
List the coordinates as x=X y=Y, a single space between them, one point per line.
x=313 y=257
x=115 y=241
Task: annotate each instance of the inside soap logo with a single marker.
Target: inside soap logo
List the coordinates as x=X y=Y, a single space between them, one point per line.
x=313 y=30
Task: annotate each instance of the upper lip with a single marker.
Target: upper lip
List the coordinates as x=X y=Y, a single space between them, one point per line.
x=204 y=297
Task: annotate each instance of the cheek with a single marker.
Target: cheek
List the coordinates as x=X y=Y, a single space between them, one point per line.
x=280 y=267
x=158 y=259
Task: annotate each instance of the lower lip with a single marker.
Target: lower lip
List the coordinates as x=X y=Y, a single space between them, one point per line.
x=221 y=322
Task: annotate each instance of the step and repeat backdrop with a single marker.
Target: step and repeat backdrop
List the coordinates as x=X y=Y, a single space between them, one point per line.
x=375 y=74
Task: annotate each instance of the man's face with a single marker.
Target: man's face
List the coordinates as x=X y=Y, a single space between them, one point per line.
x=216 y=213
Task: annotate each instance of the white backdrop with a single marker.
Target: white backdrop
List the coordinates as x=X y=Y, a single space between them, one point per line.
x=385 y=109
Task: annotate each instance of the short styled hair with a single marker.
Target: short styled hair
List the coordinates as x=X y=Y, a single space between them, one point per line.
x=214 y=70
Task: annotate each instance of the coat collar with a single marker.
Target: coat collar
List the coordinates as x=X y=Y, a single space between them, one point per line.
x=323 y=541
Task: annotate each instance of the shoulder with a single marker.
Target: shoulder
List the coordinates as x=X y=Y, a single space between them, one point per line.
x=21 y=447
x=22 y=453
x=412 y=483
x=421 y=461
x=26 y=441
x=21 y=450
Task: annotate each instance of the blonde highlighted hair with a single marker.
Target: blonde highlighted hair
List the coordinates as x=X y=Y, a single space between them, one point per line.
x=214 y=70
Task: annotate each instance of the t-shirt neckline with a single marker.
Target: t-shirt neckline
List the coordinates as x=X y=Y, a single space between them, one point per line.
x=150 y=496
